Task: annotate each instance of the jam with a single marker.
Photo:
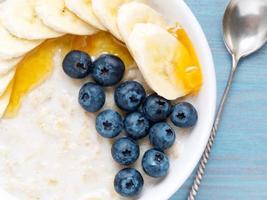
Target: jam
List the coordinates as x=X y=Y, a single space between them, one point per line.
x=103 y=42
x=188 y=67
x=31 y=71
x=37 y=66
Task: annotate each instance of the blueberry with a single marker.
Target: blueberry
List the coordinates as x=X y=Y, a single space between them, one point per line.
x=125 y=151
x=129 y=95
x=108 y=70
x=157 y=108
x=184 y=115
x=92 y=97
x=128 y=182
x=77 y=64
x=109 y=124
x=155 y=163
x=136 y=125
x=161 y=136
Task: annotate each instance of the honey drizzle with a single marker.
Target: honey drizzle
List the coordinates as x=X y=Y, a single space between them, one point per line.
x=37 y=66
x=191 y=74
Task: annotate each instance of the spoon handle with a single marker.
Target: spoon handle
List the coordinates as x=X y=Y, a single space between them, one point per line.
x=205 y=156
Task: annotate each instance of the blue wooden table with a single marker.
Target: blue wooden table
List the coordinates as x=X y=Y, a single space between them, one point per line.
x=238 y=166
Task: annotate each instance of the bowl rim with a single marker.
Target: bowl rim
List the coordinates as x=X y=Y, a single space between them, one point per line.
x=193 y=24
x=209 y=57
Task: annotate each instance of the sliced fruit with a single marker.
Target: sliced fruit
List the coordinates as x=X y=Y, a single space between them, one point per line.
x=5 y=80
x=163 y=60
x=133 y=13
x=55 y=15
x=107 y=11
x=84 y=10
x=4 y=100
x=7 y=65
x=19 y=18
x=13 y=47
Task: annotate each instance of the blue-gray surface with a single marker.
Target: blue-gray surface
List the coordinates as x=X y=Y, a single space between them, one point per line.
x=238 y=166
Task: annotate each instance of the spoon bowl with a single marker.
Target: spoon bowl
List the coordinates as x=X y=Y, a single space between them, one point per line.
x=245 y=26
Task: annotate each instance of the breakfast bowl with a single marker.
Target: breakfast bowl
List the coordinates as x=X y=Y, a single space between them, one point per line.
x=40 y=153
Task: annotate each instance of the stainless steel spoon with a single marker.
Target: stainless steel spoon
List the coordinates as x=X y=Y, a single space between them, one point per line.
x=245 y=31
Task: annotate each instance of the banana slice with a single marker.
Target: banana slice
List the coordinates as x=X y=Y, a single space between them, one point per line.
x=7 y=65
x=107 y=10
x=133 y=13
x=5 y=80
x=55 y=15
x=84 y=10
x=161 y=58
x=19 y=18
x=13 y=47
x=4 y=100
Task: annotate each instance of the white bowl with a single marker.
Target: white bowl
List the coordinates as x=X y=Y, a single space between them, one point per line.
x=193 y=143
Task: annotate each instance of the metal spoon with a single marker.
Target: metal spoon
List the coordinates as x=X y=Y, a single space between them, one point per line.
x=245 y=31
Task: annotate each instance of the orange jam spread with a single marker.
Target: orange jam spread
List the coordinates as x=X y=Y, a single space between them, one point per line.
x=188 y=67
x=33 y=69
x=38 y=64
x=103 y=42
